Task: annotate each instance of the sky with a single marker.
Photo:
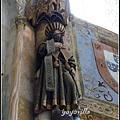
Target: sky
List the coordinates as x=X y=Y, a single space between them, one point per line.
x=104 y=13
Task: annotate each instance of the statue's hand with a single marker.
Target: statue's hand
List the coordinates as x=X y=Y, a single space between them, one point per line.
x=72 y=71
x=58 y=44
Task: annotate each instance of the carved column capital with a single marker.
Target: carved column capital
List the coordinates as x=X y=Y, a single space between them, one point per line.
x=20 y=20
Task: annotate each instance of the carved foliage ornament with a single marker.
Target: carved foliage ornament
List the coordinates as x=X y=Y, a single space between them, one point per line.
x=44 y=11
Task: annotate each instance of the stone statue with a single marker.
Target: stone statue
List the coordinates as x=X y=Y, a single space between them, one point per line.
x=56 y=88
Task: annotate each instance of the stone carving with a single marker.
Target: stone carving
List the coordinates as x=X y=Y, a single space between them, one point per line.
x=20 y=19
x=21 y=5
x=57 y=69
x=55 y=64
x=44 y=8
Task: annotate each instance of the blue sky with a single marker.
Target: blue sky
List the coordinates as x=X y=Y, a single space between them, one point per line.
x=103 y=13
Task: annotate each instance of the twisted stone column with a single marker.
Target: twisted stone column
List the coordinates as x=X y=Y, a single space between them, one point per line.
x=14 y=96
x=21 y=94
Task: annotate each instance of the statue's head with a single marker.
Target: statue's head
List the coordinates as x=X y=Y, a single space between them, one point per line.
x=55 y=30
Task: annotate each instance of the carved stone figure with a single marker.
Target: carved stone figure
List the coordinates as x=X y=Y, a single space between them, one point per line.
x=56 y=66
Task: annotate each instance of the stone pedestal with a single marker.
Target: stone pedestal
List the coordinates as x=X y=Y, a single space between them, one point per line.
x=44 y=116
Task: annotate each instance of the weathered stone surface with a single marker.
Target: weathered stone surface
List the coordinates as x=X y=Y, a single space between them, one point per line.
x=22 y=85
x=5 y=14
x=5 y=96
x=5 y=33
x=3 y=54
x=27 y=88
x=44 y=116
x=25 y=109
x=97 y=30
x=10 y=51
x=8 y=43
x=40 y=35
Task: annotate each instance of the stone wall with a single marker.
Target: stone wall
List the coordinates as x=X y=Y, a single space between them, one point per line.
x=8 y=40
x=17 y=86
x=24 y=73
x=99 y=100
